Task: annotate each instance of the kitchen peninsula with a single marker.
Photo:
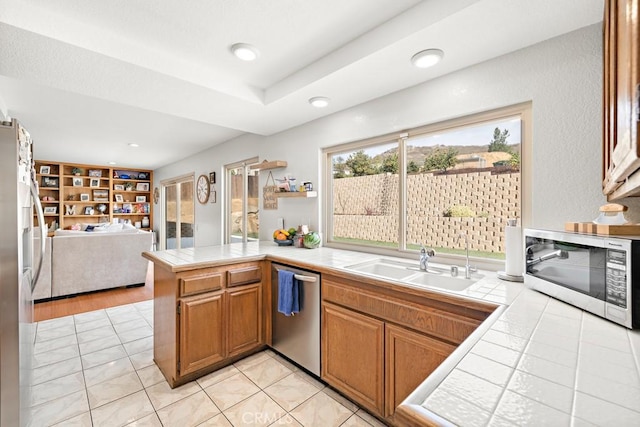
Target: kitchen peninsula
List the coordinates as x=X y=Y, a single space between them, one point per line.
x=533 y=361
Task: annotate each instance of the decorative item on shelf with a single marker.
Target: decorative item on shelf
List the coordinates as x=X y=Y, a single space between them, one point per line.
x=95 y=173
x=118 y=187
x=129 y=186
x=88 y=210
x=49 y=182
x=84 y=197
x=102 y=208
x=45 y=170
x=121 y=175
x=140 y=208
x=77 y=182
x=142 y=186
x=101 y=195
x=70 y=197
x=287 y=184
x=48 y=199
x=50 y=210
x=94 y=182
x=145 y=222
x=141 y=199
x=76 y=171
x=119 y=198
x=138 y=224
x=143 y=175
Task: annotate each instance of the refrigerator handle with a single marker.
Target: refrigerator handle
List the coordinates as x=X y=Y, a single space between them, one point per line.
x=43 y=233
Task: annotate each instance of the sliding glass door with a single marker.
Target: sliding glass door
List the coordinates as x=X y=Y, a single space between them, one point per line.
x=241 y=218
x=179 y=208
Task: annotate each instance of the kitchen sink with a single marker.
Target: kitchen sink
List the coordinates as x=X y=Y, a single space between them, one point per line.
x=434 y=277
x=385 y=268
x=441 y=281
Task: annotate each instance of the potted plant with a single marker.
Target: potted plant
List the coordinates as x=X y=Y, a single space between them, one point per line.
x=76 y=171
x=129 y=186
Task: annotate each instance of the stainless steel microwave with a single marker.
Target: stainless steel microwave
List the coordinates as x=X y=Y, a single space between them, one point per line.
x=599 y=274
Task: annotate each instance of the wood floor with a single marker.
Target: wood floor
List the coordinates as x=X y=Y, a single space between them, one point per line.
x=93 y=301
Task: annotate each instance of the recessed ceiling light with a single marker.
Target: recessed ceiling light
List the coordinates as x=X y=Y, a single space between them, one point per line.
x=319 y=101
x=244 y=51
x=112 y=163
x=427 y=58
x=134 y=145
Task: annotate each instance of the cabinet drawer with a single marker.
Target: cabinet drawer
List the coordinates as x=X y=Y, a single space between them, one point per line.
x=198 y=284
x=244 y=275
x=448 y=326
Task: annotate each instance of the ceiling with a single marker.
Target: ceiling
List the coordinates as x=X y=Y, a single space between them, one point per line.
x=88 y=78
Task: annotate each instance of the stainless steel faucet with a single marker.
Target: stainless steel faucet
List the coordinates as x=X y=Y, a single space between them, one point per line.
x=425 y=254
x=467 y=267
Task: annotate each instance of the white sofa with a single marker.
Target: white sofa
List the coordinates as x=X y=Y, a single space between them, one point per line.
x=42 y=289
x=90 y=261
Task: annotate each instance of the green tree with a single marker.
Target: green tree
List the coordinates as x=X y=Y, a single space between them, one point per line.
x=360 y=164
x=413 y=167
x=390 y=164
x=514 y=161
x=499 y=141
x=339 y=167
x=441 y=159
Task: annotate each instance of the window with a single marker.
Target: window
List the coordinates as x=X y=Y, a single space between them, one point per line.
x=242 y=202
x=178 y=213
x=430 y=185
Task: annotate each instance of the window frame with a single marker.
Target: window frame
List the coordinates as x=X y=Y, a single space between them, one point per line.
x=523 y=110
x=177 y=181
x=245 y=166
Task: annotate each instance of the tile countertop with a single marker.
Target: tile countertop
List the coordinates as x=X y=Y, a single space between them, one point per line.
x=542 y=362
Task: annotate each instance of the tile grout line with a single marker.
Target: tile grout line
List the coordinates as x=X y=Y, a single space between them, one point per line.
x=270 y=356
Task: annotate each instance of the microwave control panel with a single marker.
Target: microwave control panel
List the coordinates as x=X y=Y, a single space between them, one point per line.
x=616 y=279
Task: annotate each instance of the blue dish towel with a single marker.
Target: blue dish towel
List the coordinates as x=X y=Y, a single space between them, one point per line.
x=288 y=293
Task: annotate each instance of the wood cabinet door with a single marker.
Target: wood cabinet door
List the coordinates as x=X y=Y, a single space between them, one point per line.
x=409 y=358
x=202 y=337
x=245 y=318
x=352 y=355
x=621 y=149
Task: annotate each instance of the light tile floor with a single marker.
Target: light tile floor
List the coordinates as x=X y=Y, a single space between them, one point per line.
x=97 y=369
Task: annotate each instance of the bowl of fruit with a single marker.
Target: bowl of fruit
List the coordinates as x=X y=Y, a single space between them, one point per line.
x=284 y=237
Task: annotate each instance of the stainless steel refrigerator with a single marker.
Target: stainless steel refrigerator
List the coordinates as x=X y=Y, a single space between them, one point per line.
x=18 y=274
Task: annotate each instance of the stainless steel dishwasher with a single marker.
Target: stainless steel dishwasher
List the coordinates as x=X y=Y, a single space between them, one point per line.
x=298 y=337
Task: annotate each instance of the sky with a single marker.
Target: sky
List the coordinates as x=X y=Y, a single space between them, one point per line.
x=472 y=135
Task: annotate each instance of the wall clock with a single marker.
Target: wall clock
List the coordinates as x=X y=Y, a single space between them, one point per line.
x=203 y=189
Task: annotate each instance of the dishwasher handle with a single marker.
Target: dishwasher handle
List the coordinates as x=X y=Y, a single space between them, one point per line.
x=304 y=278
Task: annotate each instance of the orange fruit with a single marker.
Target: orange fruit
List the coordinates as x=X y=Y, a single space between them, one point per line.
x=281 y=236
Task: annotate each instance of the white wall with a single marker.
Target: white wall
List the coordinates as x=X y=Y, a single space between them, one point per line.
x=562 y=77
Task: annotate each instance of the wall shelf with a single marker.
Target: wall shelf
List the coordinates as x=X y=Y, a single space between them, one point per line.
x=305 y=194
x=274 y=164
